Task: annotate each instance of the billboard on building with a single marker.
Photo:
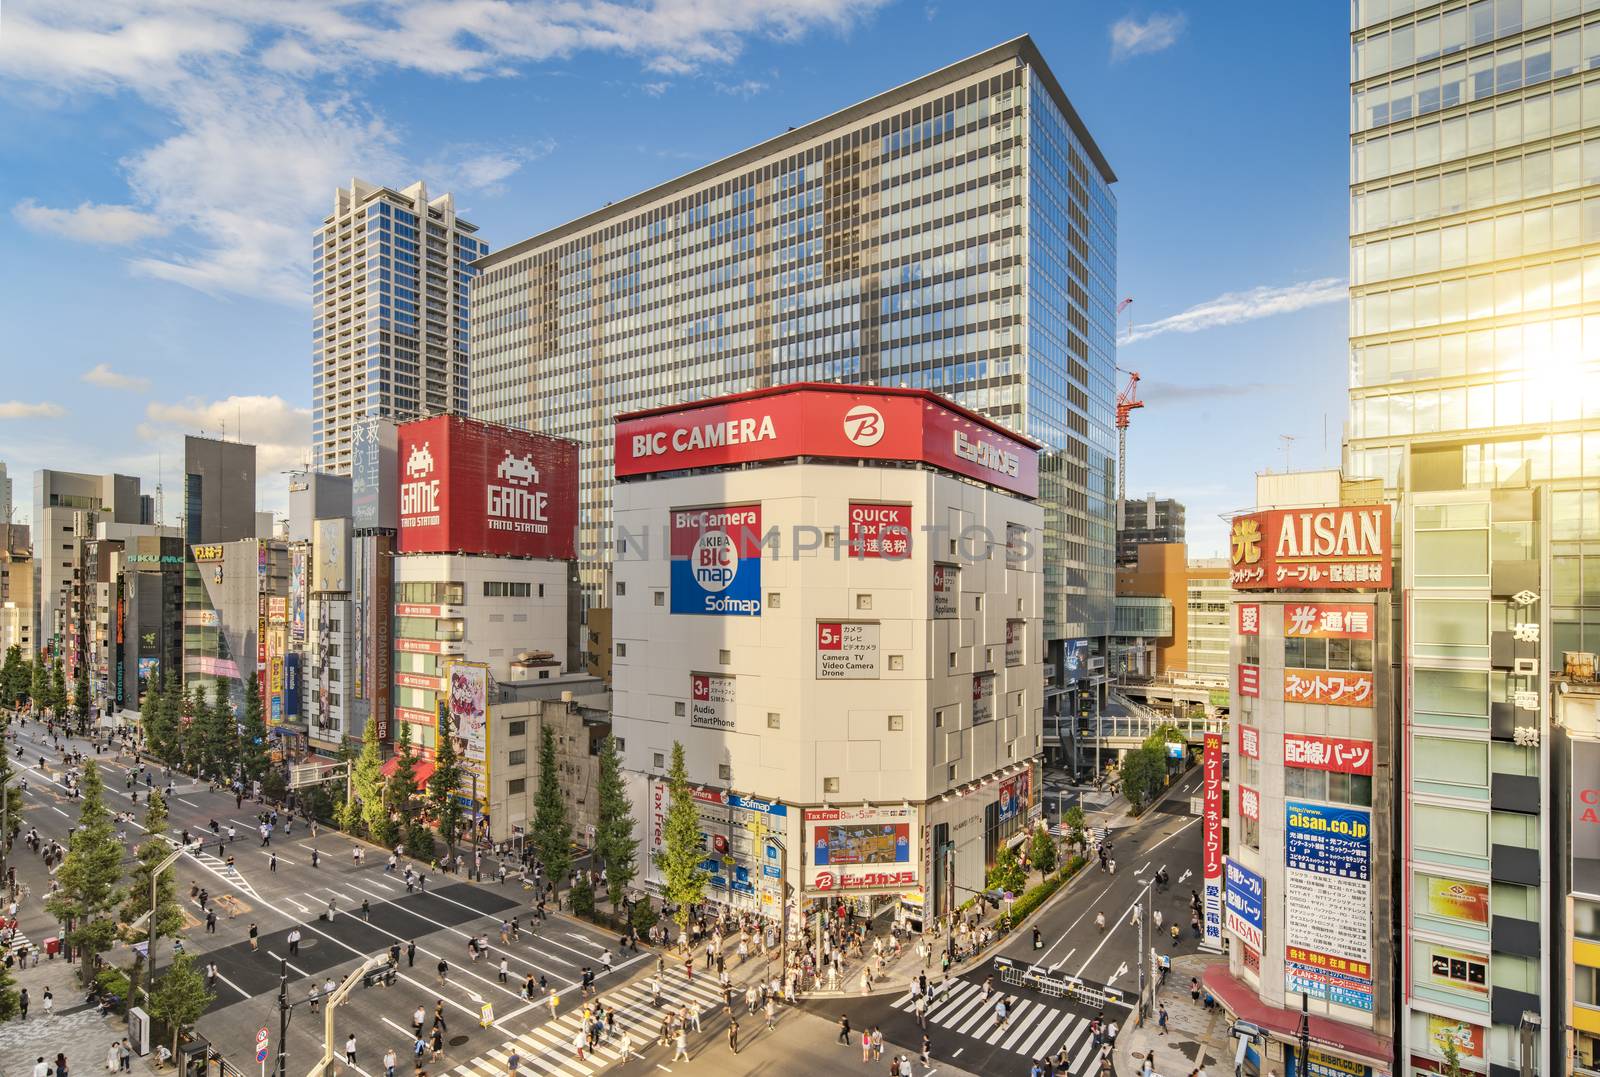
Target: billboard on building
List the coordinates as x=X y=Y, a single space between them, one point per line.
x=330 y=555
x=299 y=595
x=1016 y=634
x=1016 y=795
x=469 y=708
x=1467 y=1037
x=1249 y=681
x=711 y=701
x=1249 y=618
x=1458 y=970
x=1322 y=549
x=1585 y=817
x=848 y=650
x=716 y=560
x=982 y=697
x=744 y=868
x=1453 y=899
x=1245 y=897
x=374 y=475
x=379 y=629
x=473 y=487
x=946 y=587
x=1338 y=754
x=1334 y=687
x=291 y=684
x=1328 y=903
x=846 y=423
x=1211 y=841
x=860 y=848
x=1250 y=741
x=1309 y=620
x=880 y=530
x=1249 y=802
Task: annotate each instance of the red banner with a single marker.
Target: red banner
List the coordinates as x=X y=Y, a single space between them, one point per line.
x=1328 y=549
x=1211 y=852
x=1249 y=618
x=1307 y=620
x=1250 y=681
x=1327 y=753
x=828 y=421
x=1250 y=741
x=1337 y=688
x=880 y=531
x=1249 y=803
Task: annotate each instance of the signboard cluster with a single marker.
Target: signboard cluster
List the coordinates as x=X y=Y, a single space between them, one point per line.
x=1345 y=548
x=864 y=848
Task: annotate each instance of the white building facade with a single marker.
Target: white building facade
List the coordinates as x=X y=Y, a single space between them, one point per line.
x=843 y=626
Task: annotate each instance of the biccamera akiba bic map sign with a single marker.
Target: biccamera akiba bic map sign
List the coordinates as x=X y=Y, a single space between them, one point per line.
x=716 y=560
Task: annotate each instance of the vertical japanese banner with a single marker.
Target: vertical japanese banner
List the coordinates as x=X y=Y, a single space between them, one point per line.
x=1211 y=862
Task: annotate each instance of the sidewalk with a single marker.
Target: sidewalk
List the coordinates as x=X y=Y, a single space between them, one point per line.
x=1195 y=1038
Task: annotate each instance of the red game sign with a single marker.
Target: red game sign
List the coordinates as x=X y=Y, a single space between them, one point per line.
x=829 y=422
x=474 y=487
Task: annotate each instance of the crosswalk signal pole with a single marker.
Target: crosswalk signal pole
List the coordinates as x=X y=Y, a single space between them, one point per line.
x=283 y=1018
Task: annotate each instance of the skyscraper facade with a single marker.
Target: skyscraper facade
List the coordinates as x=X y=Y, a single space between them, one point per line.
x=390 y=313
x=1474 y=395
x=956 y=233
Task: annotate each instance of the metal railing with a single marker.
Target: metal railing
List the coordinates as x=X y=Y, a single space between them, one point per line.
x=1071 y=988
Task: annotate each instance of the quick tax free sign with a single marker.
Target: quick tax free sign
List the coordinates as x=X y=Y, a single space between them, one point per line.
x=1330 y=549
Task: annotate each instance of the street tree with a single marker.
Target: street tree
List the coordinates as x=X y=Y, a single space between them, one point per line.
x=1076 y=827
x=14 y=677
x=10 y=1001
x=89 y=877
x=1008 y=872
x=80 y=700
x=614 y=842
x=400 y=793
x=58 y=690
x=253 y=751
x=180 y=997
x=366 y=779
x=160 y=724
x=12 y=804
x=552 y=829
x=443 y=783
x=679 y=860
x=167 y=920
x=38 y=685
x=1042 y=852
x=1143 y=771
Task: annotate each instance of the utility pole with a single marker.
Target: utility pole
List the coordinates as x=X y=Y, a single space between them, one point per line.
x=282 y=1069
x=1305 y=1032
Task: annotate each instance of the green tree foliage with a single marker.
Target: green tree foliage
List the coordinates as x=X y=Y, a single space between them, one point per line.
x=366 y=777
x=80 y=699
x=180 y=997
x=552 y=830
x=614 y=843
x=10 y=1001
x=1076 y=826
x=168 y=918
x=1008 y=872
x=1042 y=853
x=160 y=724
x=214 y=733
x=58 y=690
x=680 y=856
x=14 y=677
x=38 y=685
x=402 y=784
x=89 y=877
x=443 y=783
x=1143 y=771
x=13 y=801
x=582 y=897
x=253 y=741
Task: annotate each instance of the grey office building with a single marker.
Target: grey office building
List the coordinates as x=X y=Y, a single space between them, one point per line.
x=956 y=233
x=219 y=490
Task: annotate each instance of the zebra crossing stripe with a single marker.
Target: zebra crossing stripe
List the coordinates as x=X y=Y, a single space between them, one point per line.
x=1080 y=1063
x=1016 y=1018
x=964 y=997
x=1046 y=1033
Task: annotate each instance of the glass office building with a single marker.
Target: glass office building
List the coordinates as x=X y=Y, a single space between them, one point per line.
x=390 y=313
x=957 y=233
x=1475 y=398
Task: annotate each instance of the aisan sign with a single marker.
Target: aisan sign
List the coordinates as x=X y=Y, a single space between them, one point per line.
x=826 y=422
x=1328 y=549
x=473 y=487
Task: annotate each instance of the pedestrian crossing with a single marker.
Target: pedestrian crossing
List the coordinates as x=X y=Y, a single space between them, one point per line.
x=548 y=1048
x=221 y=869
x=1032 y=1028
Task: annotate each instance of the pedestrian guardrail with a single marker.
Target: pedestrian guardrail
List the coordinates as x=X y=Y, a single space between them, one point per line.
x=1040 y=979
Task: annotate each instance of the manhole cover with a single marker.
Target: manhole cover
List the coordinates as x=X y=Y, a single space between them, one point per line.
x=457 y=1041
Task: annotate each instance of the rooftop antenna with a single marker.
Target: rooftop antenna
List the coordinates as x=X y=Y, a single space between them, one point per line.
x=161 y=514
x=1288 y=448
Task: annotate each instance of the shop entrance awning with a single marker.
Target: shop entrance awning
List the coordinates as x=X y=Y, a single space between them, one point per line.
x=1241 y=1000
x=423 y=769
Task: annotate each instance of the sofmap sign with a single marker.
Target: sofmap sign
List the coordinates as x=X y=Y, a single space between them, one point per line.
x=716 y=560
x=1211 y=850
x=1246 y=900
x=1329 y=549
x=827 y=421
x=473 y=487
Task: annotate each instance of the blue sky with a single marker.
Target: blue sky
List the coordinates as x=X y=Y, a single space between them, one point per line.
x=166 y=161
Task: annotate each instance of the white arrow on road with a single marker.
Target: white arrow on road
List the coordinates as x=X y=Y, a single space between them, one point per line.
x=1186 y=873
x=1122 y=970
x=1064 y=959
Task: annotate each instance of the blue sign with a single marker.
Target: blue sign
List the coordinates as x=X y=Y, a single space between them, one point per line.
x=291 y=685
x=1328 y=841
x=716 y=560
x=1175 y=749
x=766 y=807
x=1245 y=898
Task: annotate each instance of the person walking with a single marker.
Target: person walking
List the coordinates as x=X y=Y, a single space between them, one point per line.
x=733 y=1035
x=877 y=1044
x=681 y=1048
x=555 y=1001
x=444 y=972
x=866 y=1046
x=844 y=1029
x=389 y=1062
x=772 y=1012
x=1161 y=1017
x=411 y=953
x=505 y=970
x=22 y=1001
x=417 y=1017
x=49 y=1002
x=350 y=1050
x=927 y=1048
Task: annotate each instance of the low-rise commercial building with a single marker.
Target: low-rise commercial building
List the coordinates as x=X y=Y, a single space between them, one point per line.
x=832 y=597
x=16 y=588
x=578 y=711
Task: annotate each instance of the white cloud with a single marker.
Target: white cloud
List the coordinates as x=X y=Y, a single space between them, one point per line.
x=259 y=146
x=480 y=169
x=19 y=409
x=746 y=88
x=102 y=375
x=1131 y=36
x=656 y=89
x=280 y=431
x=1231 y=308
x=90 y=222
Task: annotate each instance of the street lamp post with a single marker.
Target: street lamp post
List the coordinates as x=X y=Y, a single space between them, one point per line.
x=1141 y=912
x=150 y=915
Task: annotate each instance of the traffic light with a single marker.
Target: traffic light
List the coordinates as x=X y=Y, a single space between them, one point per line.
x=384 y=975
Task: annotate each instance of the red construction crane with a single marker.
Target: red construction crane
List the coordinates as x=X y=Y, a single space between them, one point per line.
x=1127 y=400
